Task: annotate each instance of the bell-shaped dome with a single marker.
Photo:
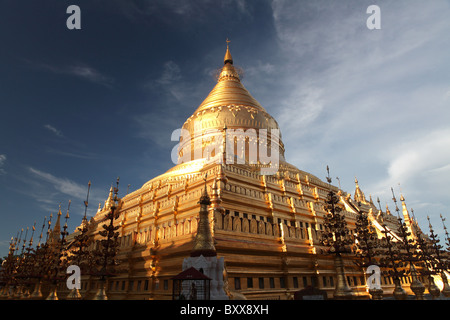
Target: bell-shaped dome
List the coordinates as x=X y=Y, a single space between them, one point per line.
x=228 y=106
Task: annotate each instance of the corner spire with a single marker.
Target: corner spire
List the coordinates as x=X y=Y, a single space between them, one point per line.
x=228 y=58
x=359 y=194
x=406 y=216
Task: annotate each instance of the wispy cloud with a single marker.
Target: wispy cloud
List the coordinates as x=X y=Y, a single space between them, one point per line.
x=156 y=127
x=69 y=148
x=79 y=70
x=61 y=185
x=50 y=191
x=2 y=163
x=171 y=73
x=57 y=132
x=90 y=74
x=169 y=82
x=421 y=160
x=73 y=154
x=175 y=93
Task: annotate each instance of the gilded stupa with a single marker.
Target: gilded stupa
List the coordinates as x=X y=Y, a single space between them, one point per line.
x=265 y=227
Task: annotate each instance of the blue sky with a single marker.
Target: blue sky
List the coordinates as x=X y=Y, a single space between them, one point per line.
x=102 y=102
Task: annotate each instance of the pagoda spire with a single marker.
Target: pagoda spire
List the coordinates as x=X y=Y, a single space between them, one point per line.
x=203 y=242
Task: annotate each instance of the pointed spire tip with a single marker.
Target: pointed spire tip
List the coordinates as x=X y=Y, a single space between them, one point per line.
x=228 y=58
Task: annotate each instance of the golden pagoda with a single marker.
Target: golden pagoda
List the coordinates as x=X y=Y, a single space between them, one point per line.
x=265 y=227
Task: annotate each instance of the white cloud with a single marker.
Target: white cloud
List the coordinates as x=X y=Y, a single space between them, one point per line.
x=2 y=163
x=78 y=154
x=157 y=127
x=90 y=74
x=258 y=69
x=177 y=96
x=422 y=160
x=80 y=70
x=169 y=83
x=77 y=149
x=171 y=73
x=51 y=191
x=300 y=109
x=57 y=132
x=61 y=185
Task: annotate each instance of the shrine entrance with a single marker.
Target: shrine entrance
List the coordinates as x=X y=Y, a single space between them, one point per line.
x=191 y=284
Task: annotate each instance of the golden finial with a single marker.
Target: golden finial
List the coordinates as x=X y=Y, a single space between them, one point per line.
x=68 y=207
x=228 y=58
